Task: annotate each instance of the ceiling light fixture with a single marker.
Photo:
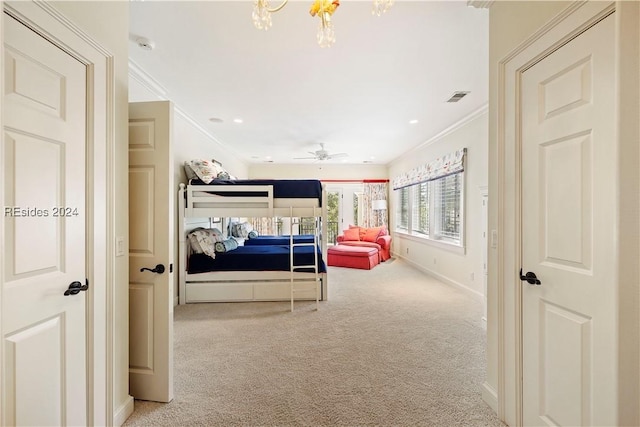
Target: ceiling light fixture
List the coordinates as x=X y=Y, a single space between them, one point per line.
x=326 y=36
x=413 y=122
x=381 y=6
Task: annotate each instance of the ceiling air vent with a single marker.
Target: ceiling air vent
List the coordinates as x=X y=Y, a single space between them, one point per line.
x=457 y=96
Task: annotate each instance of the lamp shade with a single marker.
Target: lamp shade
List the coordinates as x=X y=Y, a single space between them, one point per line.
x=377 y=205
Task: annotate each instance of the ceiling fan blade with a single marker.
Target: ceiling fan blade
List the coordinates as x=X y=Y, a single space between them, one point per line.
x=338 y=155
x=305 y=158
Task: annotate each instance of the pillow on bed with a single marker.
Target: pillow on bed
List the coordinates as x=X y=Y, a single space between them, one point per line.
x=352 y=234
x=203 y=240
x=189 y=172
x=241 y=229
x=226 y=245
x=253 y=234
x=206 y=170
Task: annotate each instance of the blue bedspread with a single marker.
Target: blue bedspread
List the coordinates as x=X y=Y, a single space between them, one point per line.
x=282 y=188
x=278 y=240
x=255 y=258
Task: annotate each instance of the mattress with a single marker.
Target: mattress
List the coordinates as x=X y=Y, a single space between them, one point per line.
x=282 y=188
x=256 y=258
x=278 y=240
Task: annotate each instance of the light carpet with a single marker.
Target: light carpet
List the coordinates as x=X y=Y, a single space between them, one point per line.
x=391 y=347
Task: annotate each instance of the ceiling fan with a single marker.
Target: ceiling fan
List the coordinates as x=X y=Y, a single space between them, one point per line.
x=322 y=154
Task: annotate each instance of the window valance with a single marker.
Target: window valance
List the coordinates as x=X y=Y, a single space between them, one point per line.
x=438 y=168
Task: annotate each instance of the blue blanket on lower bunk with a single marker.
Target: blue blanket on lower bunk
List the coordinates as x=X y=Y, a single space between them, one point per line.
x=278 y=240
x=256 y=258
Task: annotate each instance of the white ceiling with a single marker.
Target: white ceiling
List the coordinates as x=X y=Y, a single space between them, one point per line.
x=355 y=97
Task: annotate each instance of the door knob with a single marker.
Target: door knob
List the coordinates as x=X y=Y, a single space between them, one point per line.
x=158 y=269
x=75 y=288
x=530 y=277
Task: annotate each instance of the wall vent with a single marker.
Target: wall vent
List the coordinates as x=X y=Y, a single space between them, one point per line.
x=457 y=96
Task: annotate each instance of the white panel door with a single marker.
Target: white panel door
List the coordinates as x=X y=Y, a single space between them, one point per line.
x=44 y=330
x=152 y=209
x=568 y=235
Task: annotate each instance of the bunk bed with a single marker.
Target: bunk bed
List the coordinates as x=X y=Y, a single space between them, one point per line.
x=232 y=276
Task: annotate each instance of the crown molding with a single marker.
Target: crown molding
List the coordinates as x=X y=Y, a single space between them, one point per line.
x=454 y=127
x=138 y=74
x=480 y=4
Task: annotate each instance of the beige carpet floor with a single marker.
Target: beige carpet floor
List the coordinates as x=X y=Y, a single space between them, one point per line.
x=391 y=347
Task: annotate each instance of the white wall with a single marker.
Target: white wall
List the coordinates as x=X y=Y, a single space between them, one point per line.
x=463 y=269
x=317 y=170
x=108 y=23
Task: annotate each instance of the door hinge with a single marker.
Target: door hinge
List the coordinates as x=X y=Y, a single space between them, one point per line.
x=170 y=268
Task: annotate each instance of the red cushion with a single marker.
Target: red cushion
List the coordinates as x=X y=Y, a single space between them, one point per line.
x=371 y=234
x=351 y=234
x=355 y=251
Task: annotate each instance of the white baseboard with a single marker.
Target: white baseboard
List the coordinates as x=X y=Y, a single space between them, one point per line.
x=490 y=397
x=123 y=412
x=440 y=277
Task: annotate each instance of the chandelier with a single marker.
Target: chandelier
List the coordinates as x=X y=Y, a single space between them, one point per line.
x=321 y=8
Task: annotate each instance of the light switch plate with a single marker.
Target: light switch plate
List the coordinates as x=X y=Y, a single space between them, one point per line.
x=119 y=246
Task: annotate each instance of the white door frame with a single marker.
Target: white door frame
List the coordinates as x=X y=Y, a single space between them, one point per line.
x=53 y=26
x=557 y=32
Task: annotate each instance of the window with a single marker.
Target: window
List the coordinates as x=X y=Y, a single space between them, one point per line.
x=420 y=210
x=448 y=205
x=433 y=209
x=403 y=208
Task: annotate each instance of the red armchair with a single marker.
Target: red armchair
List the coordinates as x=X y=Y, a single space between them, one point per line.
x=374 y=237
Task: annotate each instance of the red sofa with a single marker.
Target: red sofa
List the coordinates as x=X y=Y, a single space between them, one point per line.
x=372 y=237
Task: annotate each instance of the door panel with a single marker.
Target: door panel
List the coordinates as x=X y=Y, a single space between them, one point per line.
x=568 y=235
x=151 y=235
x=44 y=331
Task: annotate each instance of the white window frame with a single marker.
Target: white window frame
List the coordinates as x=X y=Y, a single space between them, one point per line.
x=434 y=236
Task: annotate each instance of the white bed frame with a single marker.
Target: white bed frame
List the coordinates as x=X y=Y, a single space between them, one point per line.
x=194 y=202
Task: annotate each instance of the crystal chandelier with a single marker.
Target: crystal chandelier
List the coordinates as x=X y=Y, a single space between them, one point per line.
x=381 y=6
x=322 y=8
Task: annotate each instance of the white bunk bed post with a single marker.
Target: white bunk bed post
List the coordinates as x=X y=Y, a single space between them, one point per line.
x=182 y=247
x=324 y=236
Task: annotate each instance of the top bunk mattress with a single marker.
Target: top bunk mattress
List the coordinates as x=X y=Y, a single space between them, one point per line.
x=282 y=188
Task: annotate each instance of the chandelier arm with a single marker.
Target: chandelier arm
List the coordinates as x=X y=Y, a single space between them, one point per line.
x=275 y=9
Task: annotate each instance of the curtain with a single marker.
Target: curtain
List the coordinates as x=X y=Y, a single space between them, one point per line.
x=375 y=194
x=438 y=168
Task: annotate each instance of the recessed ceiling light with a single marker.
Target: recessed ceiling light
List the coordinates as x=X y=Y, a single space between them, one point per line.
x=268 y=157
x=372 y=157
x=215 y=120
x=413 y=122
x=237 y=120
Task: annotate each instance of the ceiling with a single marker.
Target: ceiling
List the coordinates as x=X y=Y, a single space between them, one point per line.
x=356 y=97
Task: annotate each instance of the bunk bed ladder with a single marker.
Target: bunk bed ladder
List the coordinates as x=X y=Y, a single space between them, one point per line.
x=294 y=267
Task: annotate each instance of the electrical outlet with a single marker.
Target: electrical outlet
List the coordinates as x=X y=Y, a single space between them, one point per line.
x=407 y=251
